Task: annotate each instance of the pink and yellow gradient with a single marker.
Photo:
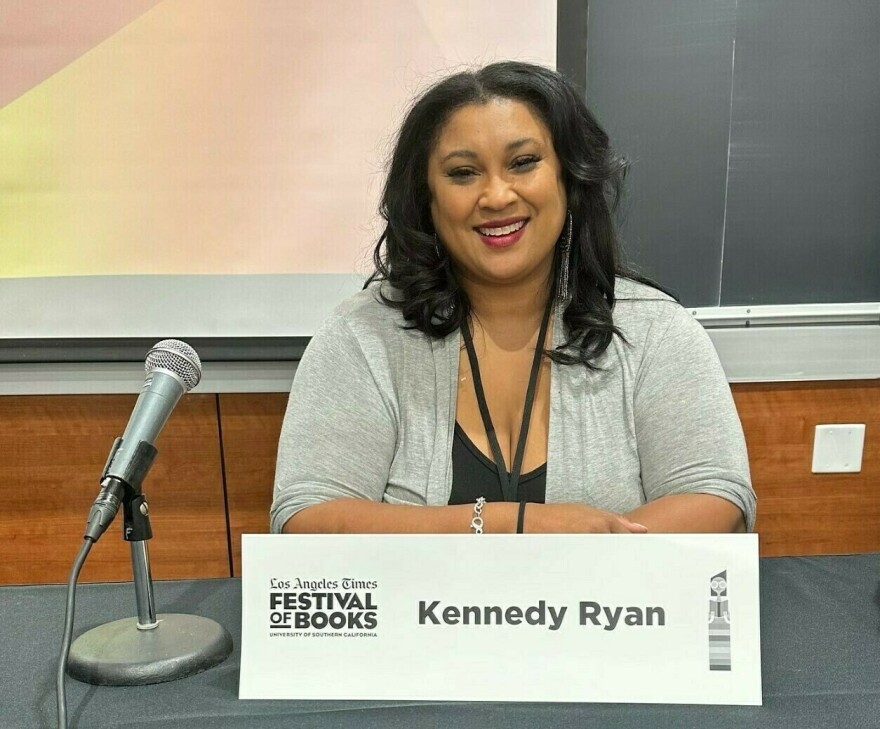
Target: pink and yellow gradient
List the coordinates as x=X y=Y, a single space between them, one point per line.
x=223 y=136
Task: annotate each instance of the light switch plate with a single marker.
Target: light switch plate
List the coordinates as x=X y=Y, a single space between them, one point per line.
x=838 y=448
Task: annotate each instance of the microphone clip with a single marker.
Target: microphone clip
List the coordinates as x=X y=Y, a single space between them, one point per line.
x=125 y=490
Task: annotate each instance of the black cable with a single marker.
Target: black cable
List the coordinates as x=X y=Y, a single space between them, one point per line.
x=68 y=631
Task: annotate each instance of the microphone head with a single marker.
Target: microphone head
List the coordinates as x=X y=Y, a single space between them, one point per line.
x=178 y=358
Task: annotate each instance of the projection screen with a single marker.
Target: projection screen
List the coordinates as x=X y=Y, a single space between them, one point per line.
x=211 y=168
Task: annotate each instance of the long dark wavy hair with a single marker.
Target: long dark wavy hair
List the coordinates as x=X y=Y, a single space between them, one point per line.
x=427 y=291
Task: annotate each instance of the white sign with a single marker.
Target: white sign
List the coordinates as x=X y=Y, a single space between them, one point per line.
x=612 y=618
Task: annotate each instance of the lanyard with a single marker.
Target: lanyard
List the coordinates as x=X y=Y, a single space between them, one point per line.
x=508 y=485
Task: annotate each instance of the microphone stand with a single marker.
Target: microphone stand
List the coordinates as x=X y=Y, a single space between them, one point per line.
x=150 y=648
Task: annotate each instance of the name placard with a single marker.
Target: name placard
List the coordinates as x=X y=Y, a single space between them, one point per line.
x=611 y=618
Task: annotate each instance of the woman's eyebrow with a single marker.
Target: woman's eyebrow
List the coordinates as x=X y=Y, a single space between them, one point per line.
x=468 y=154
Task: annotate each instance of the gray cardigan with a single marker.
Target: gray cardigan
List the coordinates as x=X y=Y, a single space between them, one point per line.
x=372 y=411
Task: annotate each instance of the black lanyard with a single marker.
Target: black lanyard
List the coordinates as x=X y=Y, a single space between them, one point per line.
x=508 y=486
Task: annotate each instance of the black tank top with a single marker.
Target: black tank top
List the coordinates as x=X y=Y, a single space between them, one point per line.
x=475 y=475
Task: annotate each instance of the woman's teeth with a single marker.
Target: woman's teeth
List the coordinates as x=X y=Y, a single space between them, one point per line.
x=506 y=230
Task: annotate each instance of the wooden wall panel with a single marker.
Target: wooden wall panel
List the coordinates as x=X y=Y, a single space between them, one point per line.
x=800 y=512
x=52 y=450
x=251 y=426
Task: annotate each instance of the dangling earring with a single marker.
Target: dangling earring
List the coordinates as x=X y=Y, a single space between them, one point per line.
x=564 y=257
x=437 y=247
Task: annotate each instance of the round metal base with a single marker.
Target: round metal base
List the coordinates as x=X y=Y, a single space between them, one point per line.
x=118 y=654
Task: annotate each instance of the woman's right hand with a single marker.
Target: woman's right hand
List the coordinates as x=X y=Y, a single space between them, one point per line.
x=576 y=519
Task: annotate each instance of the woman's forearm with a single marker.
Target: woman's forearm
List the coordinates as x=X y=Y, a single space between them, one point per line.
x=689 y=514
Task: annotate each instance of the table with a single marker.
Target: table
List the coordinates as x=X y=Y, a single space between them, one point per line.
x=820 y=634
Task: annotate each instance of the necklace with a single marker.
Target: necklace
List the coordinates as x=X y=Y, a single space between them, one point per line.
x=509 y=486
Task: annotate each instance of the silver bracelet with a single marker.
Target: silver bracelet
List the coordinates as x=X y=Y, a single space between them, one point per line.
x=477 y=521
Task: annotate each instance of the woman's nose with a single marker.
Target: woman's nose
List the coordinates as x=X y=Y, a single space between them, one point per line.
x=497 y=193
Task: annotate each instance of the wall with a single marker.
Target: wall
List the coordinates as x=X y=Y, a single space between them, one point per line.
x=212 y=480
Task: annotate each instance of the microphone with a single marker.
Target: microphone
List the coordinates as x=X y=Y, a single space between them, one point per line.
x=150 y=648
x=172 y=369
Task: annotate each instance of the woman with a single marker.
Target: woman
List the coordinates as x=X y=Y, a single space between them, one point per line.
x=502 y=371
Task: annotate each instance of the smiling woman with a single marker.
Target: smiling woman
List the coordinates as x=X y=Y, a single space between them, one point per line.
x=502 y=370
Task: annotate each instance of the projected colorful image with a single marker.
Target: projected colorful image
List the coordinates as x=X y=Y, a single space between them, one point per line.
x=219 y=136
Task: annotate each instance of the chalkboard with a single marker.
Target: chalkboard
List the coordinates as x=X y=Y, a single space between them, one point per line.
x=753 y=129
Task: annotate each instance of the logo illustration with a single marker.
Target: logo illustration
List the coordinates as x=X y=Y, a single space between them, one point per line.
x=719 y=624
